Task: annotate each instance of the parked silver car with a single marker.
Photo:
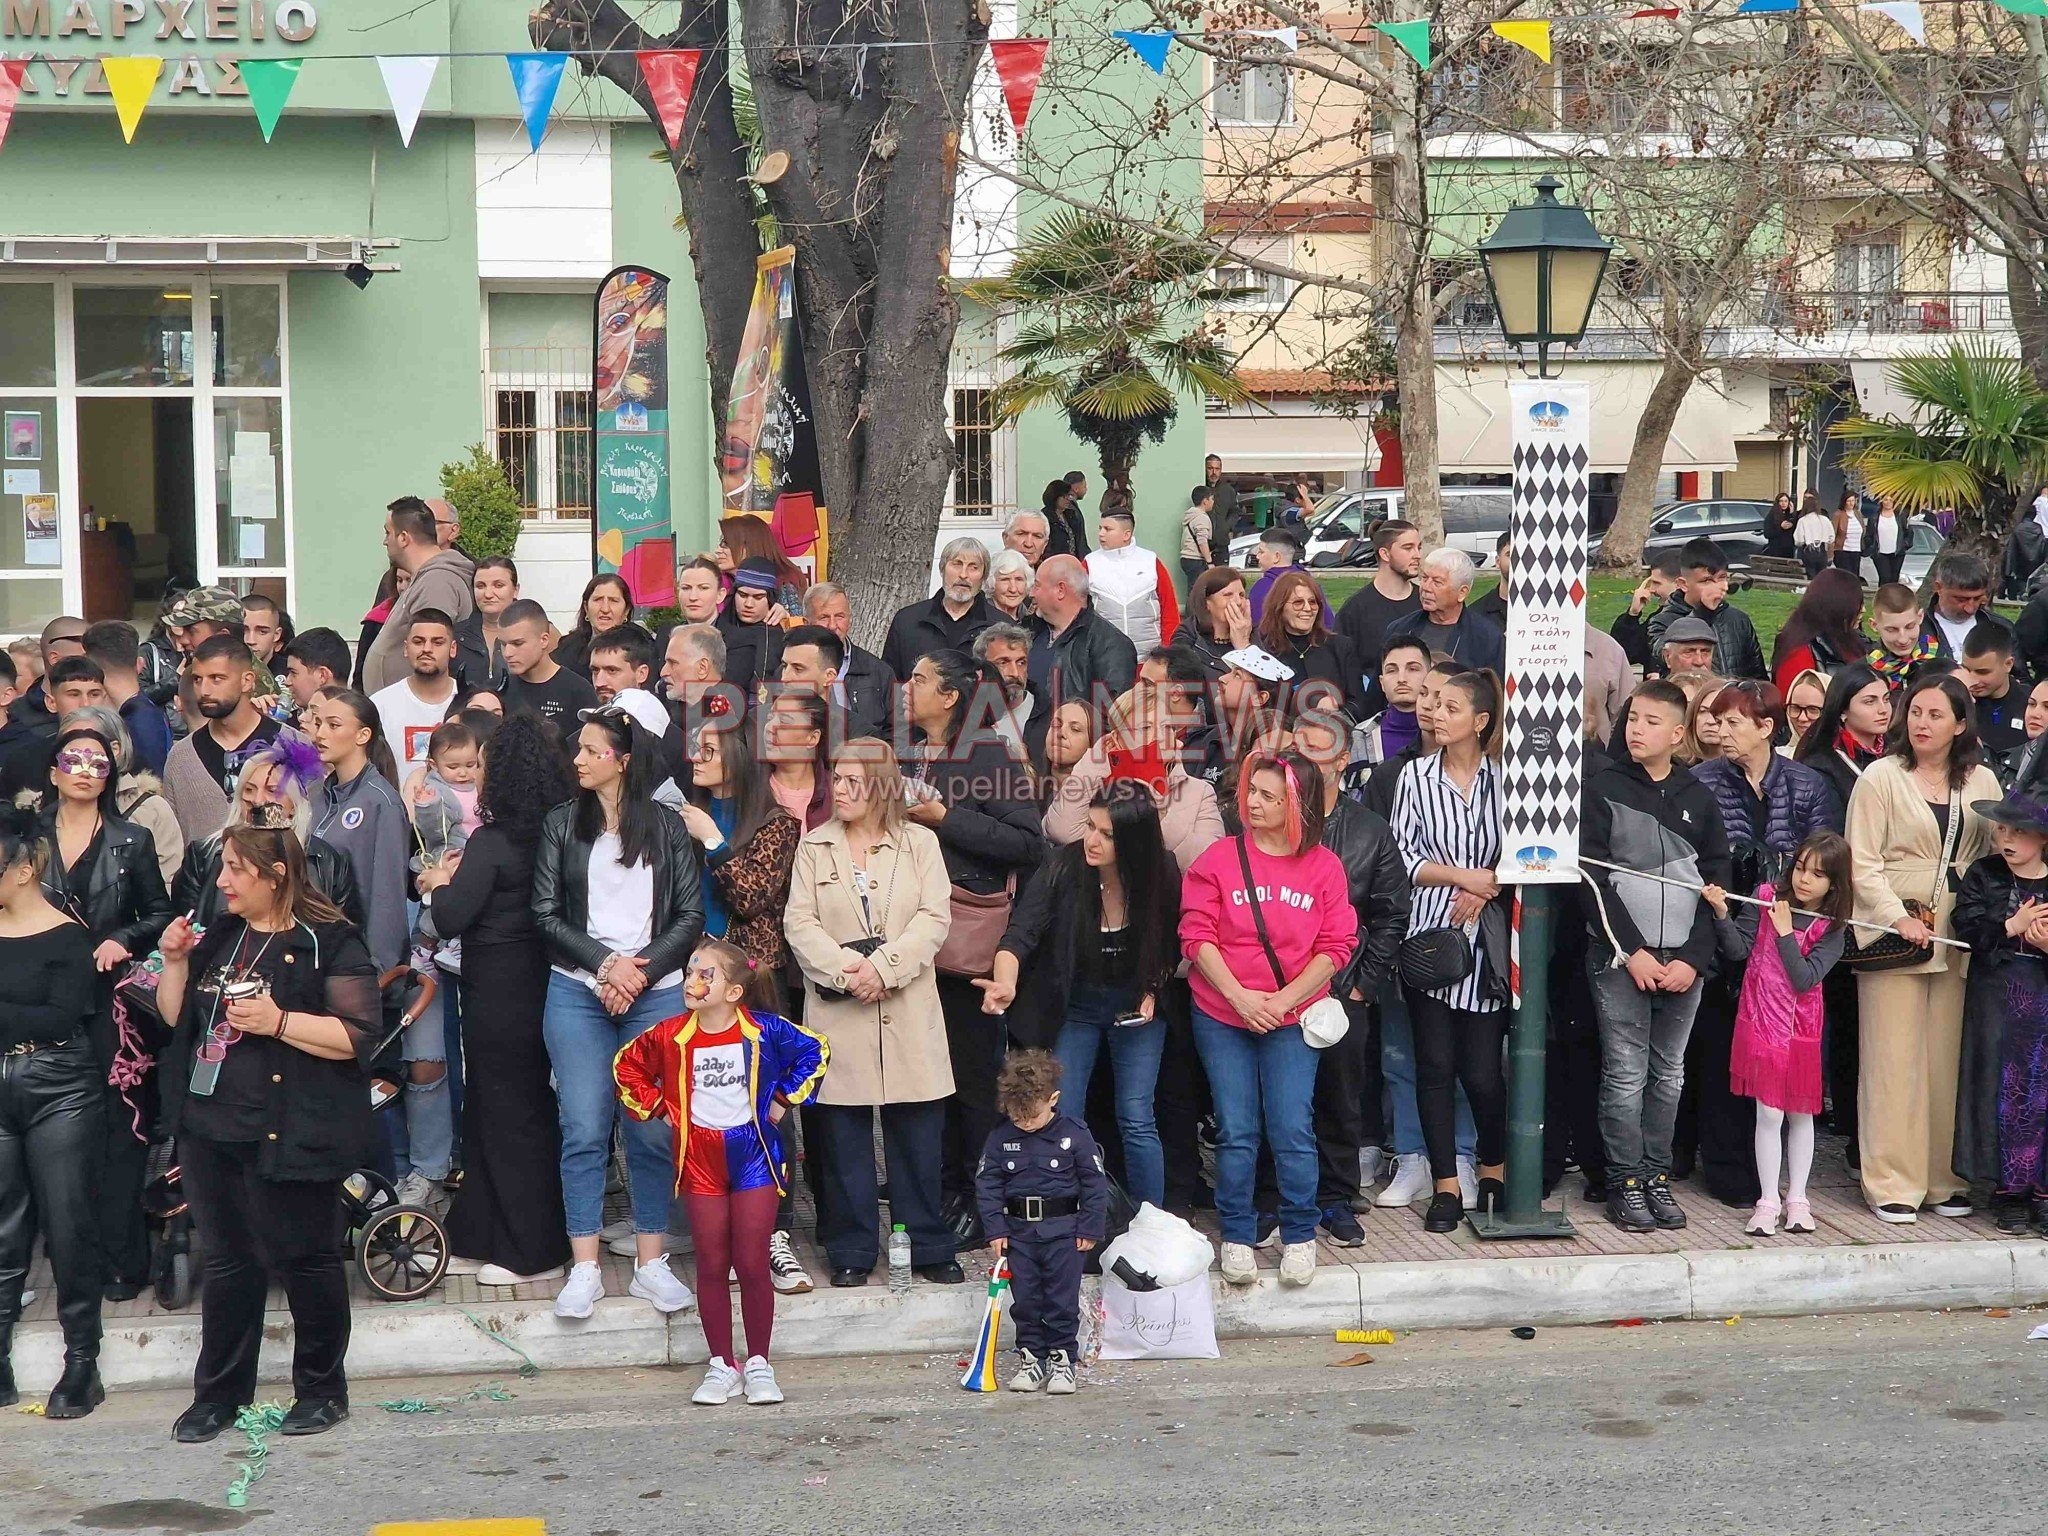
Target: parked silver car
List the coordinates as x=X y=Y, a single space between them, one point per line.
x=1475 y=516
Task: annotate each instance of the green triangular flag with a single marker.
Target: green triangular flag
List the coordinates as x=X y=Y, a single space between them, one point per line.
x=2023 y=7
x=270 y=83
x=1413 y=36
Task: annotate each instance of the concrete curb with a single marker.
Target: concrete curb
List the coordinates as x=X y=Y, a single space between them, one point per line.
x=445 y=1339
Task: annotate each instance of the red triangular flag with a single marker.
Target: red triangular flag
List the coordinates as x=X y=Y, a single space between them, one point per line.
x=11 y=73
x=670 y=77
x=1018 y=61
x=1668 y=12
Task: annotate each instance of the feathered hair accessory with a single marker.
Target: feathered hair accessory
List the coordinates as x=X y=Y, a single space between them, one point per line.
x=299 y=765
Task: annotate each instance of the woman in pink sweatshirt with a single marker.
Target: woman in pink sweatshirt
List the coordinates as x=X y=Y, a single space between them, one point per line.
x=1249 y=994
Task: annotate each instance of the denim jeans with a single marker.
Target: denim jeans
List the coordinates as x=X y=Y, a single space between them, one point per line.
x=430 y=1107
x=1261 y=1083
x=582 y=1039
x=1642 y=1066
x=1397 y=1058
x=1134 y=1056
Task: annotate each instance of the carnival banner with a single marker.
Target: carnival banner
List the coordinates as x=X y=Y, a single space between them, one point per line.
x=769 y=463
x=633 y=531
x=1548 y=531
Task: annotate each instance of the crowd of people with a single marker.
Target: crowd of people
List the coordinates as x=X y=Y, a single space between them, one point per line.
x=727 y=900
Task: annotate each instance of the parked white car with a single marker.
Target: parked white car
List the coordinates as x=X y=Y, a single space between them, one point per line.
x=1475 y=516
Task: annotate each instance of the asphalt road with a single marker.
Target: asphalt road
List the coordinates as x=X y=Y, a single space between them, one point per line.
x=1894 y=1424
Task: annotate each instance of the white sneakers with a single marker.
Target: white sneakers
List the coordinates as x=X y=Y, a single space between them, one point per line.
x=1410 y=1182
x=498 y=1274
x=1297 y=1263
x=579 y=1297
x=417 y=1189
x=655 y=1282
x=1059 y=1374
x=626 y=1244
x=784 y=1272
x=1239 y=1265
x=722 y=1384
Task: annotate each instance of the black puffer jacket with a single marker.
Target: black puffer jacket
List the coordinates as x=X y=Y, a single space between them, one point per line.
x=992 y=827
x=1379 y=891
x=561 y=895
x=121 y=897
x=327 y=867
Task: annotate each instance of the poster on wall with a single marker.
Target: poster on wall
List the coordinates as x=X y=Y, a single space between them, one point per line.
x=24 y=434
x=40 y=543
x=633 y=529
x=1548 y=530
x=768 y=466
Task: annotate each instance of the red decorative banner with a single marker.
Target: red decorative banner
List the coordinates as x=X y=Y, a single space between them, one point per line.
x=11 y=73
x=1018 y=62
x=670 y=77
x=1668 y=12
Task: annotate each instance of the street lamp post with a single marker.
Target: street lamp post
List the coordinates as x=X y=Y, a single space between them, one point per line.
x=1543 y=266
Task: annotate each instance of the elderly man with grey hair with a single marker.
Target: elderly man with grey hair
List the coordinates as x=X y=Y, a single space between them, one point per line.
x=1007 y=648
x=1027 y=532
x=950 y=618
x=1445 y=624
x=867 y=689
x=1076 y=656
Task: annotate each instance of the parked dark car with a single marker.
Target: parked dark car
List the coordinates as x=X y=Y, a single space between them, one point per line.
x=1736 y=526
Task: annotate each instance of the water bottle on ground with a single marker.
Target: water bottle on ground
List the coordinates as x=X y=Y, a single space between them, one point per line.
x=899 y=1258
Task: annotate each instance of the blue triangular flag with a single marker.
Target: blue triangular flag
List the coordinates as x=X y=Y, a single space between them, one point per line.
x=1152 y=47
x=1761 y=7
x=536 y=77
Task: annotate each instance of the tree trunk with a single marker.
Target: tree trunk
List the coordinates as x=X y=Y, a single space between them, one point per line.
x=2029 y=317
x=1407 y=216
x=1622 y=547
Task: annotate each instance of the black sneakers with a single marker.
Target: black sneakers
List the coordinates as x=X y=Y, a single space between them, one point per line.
x=1343 y=1226
x=1664 y=1207
x=1628 y=1206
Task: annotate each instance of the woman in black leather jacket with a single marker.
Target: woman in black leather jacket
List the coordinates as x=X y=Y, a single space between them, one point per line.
x=284 y=774
x=617 y=902
x=103 y=871
x=983 y=805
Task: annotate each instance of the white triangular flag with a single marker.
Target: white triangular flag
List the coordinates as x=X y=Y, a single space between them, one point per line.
x=1287 y=37
x=1906 y=13
x=407 y=79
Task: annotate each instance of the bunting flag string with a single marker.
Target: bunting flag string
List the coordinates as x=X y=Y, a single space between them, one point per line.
x=1532 y=35
x=11 y=73
x=1906 y=13
x=407 y=79
x=671 y=76
x=1152 y=47
x=270 y=83
x=131 y=79
x=1018 y=61
x=536 y=77
x=1766 y=7
x=1413 y=37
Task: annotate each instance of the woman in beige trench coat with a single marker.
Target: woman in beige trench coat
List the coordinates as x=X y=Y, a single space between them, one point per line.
x=869 y=906
x=1912 y=1019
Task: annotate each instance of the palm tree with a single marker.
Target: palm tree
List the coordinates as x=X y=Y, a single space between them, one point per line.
x=1977 y=440
x=1112 y=331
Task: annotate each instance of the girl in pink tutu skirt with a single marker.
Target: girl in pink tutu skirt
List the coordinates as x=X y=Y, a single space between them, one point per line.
x=1776 y=1056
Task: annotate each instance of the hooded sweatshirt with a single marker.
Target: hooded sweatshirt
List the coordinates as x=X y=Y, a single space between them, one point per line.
x=1670 y=828
x=443 y=583
x=1305 y=900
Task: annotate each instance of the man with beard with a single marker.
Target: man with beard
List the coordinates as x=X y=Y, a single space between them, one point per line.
x=413 y=708
x=950 y=618
x=199 y=778
x=1007 y=648
x=1390 y=596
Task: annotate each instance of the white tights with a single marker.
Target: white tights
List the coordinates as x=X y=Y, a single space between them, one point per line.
x=1771 y=1125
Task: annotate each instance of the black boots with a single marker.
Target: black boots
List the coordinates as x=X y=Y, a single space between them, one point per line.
x=78 y=1390
x=8 y=1395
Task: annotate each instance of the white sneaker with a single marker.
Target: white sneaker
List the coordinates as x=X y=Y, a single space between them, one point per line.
x=720 y=1385
x=579 y=1296
x=1059 y=1374
x=612 y=1231
x=1298 y=1264
x=1468 y=1183
x=762 y=1387
x=1410 y=1181
x=417 y=1189
x=784 y=1272
x=626 y=1246
x=1239 y=1266
x=1372 y=1162
x=1031 y=1372
x=498 y=1274
x=655 y=1282
x=458 y=1267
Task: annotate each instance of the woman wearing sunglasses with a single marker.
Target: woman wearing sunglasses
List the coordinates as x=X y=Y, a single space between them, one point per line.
x=103 y=870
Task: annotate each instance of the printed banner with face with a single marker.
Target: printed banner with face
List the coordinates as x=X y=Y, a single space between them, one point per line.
x=633 y=529
x=769 y=463
x=1546 y=650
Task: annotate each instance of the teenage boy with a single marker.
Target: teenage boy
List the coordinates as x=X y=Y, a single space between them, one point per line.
x=1703 y=594
x=534 y=680
x=1652 y=937
x=2001 y=698
x=1630 y=628
x=1903 y=646
x=1394 y=729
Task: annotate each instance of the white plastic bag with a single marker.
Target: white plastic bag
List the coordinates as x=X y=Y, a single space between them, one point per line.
x=1161 y=1246
x=1174 y=1323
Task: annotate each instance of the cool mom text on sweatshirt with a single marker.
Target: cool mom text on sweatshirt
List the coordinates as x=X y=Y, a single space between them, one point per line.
x=1306 y=902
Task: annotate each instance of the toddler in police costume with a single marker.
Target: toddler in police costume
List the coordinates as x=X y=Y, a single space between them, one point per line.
x=1043 y=1198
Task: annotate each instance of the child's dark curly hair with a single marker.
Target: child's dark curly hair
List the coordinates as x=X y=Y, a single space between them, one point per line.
x=1027 y=1082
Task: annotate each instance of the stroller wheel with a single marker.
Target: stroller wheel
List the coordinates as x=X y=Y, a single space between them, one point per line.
x=363 y=1194
x=402 y=1252
x=174 y=1280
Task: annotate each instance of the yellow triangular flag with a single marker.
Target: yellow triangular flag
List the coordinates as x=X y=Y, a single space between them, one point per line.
x=1532 y=35
x=131 y=79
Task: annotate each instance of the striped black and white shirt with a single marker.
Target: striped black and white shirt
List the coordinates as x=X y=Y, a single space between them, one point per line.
x=1437 y=823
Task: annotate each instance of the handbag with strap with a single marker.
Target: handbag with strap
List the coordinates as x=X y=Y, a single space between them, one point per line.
x=1324 y=1021
x=1890 y=951
x=979 y=923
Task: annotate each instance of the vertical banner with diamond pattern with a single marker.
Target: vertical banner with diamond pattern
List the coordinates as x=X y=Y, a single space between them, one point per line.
x=1546 y=651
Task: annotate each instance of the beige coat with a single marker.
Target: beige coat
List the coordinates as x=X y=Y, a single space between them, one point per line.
x=1897 y=847
x=894 y=1051
x=1188 y=818
x=141 y=799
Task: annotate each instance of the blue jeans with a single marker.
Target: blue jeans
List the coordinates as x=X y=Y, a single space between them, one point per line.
x=1397 y=1059
x=1134 y=1055
x=1261 y=1083
x=582 y=1039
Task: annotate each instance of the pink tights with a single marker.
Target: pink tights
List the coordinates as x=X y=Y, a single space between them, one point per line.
x=732 y=1232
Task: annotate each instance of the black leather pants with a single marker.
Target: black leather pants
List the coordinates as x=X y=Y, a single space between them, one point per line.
x=52 y=1140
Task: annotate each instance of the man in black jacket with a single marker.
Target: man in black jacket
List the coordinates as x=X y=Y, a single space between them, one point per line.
x=1349 y=1085
x=1652 y=940
x=1703 y=595
x=866 y=685
x=814 y=657
x=950 y=618
x=1075 y=656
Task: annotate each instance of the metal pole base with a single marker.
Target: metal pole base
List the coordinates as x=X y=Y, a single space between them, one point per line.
x=1498 y=1225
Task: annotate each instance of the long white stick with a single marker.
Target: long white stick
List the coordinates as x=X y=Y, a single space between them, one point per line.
x=1751 y=901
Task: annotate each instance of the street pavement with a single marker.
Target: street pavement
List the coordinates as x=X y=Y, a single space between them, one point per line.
x=1898 y=1423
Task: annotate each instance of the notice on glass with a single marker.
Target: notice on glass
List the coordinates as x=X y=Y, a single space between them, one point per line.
x=251 y=543
x=252 y=488
x=39 y=540
x=21 y=482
